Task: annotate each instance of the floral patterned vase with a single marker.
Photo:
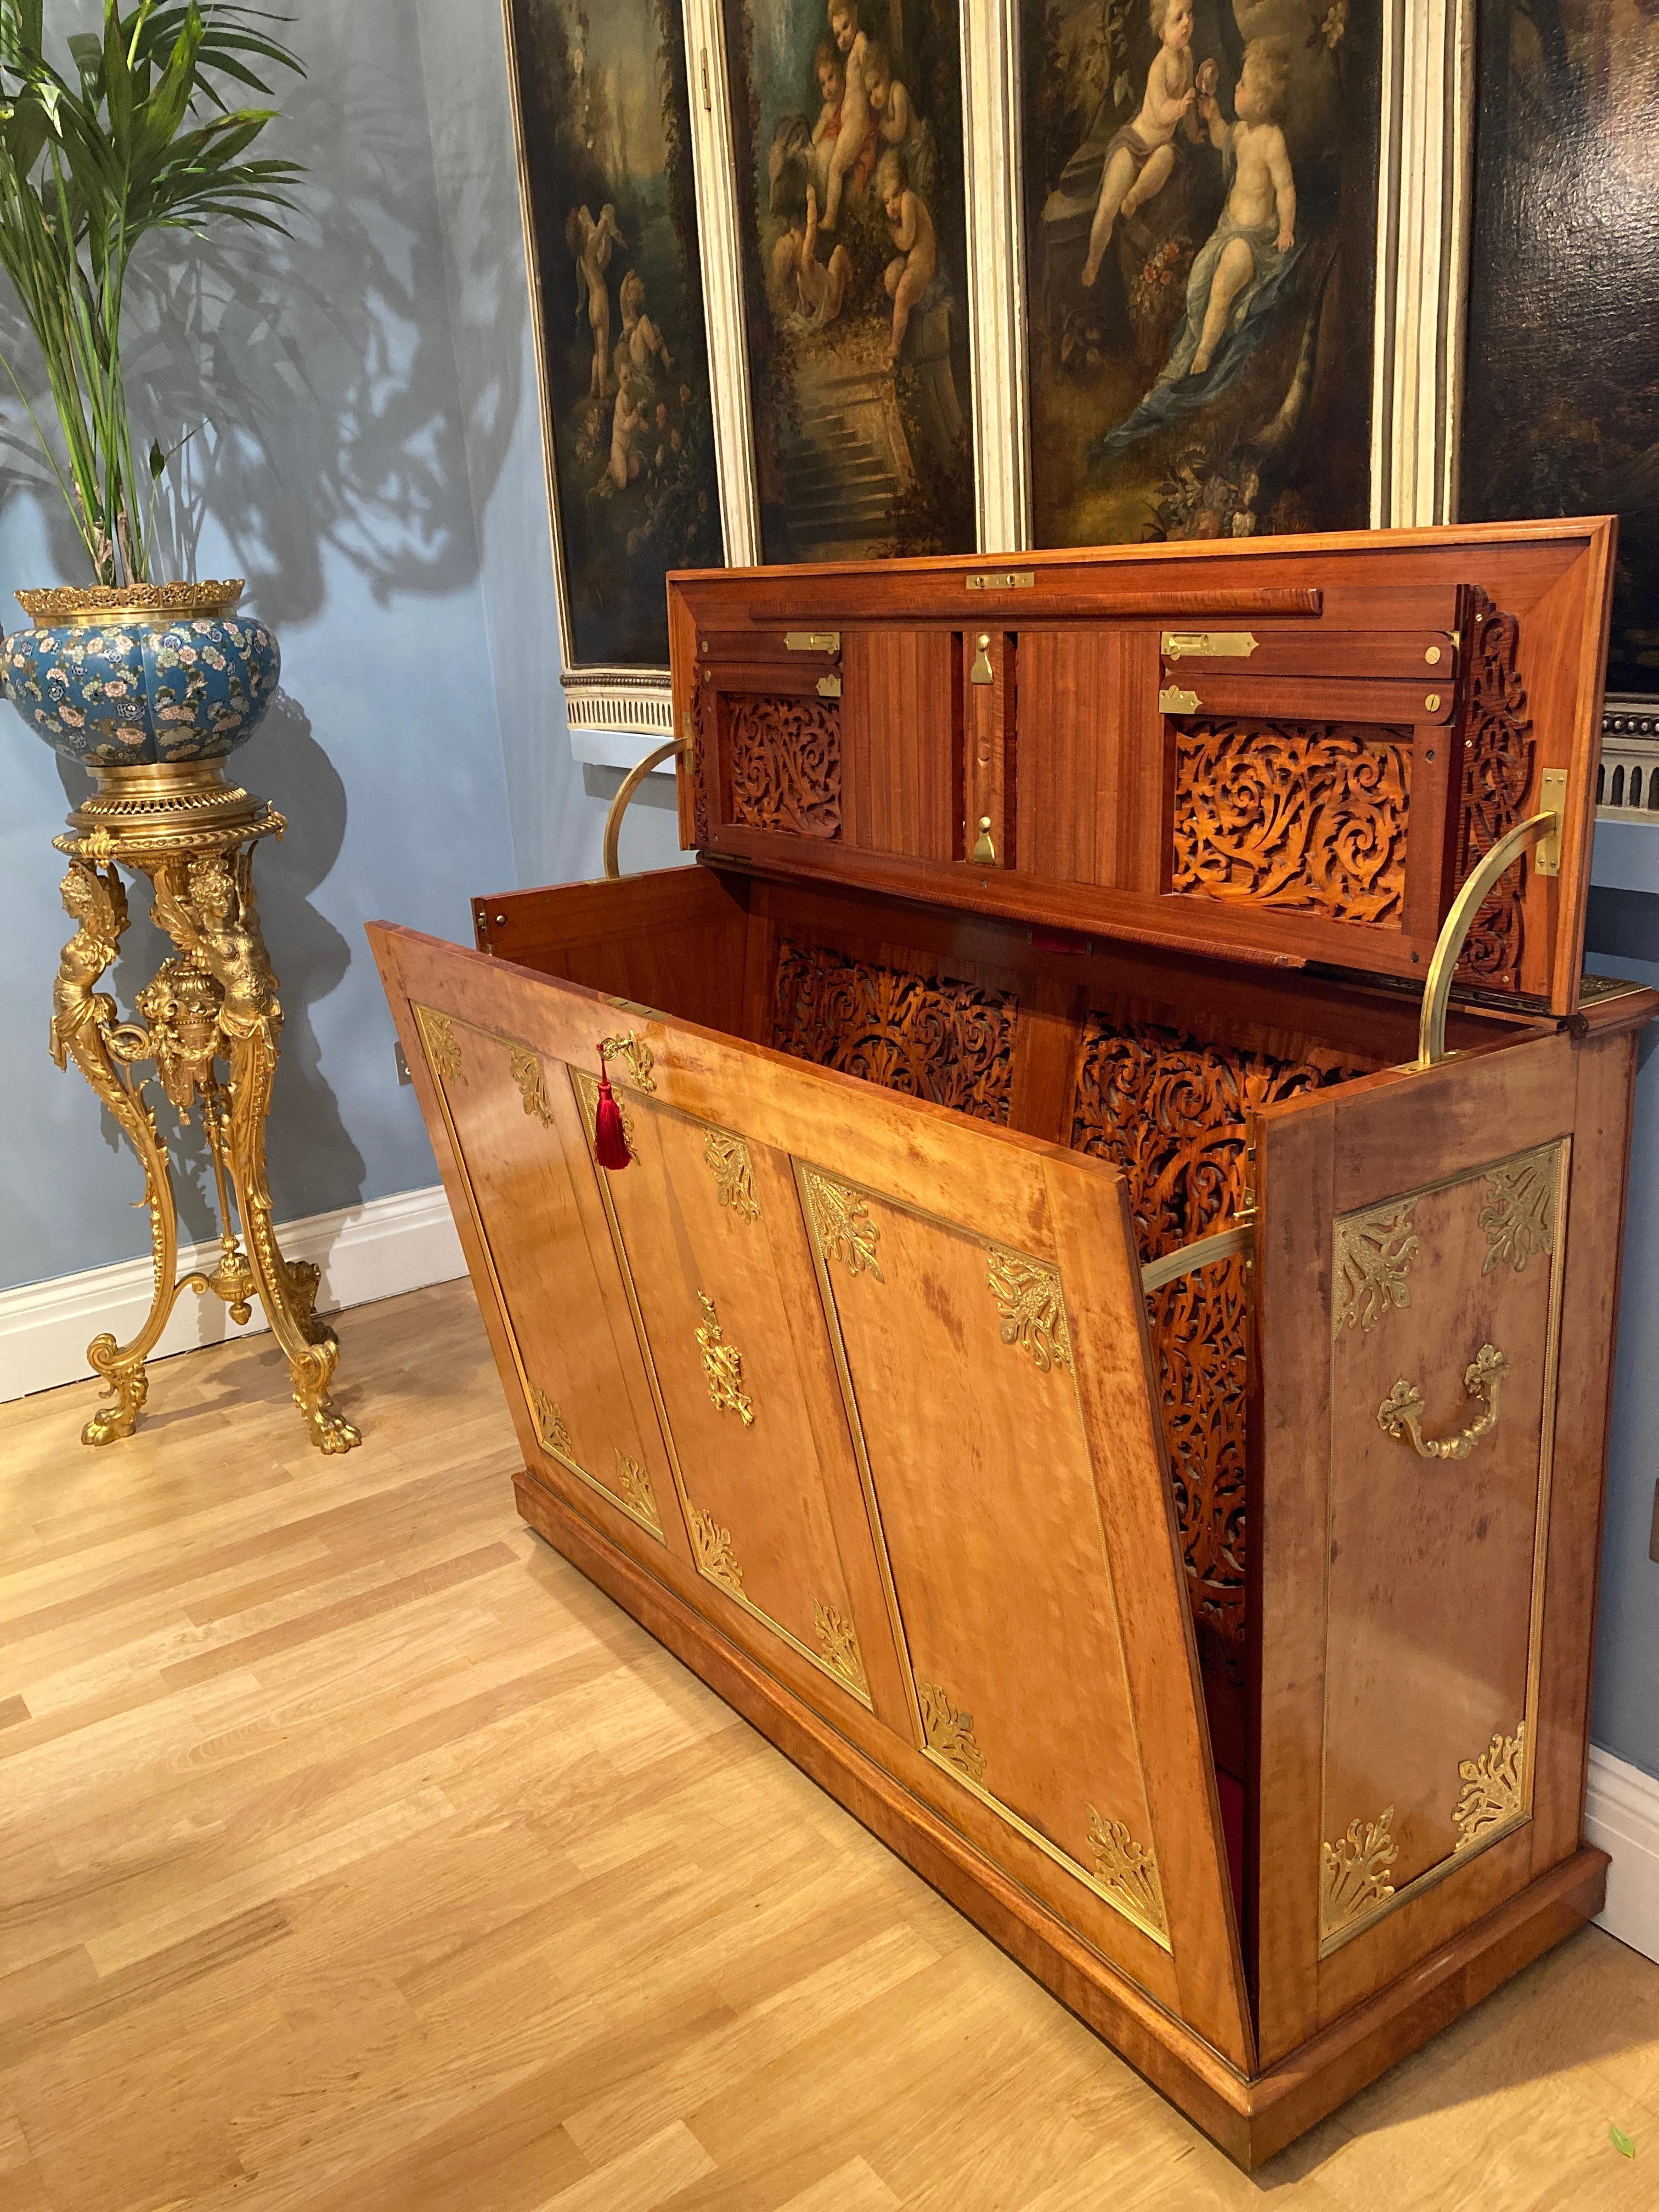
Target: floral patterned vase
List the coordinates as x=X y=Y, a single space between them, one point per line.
x=141 y=675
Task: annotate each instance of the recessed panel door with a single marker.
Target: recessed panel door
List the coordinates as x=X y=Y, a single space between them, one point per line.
x=1411 y=1267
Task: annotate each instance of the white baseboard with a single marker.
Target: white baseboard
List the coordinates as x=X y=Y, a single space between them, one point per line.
x=1621 y=1816
x=369 y=1251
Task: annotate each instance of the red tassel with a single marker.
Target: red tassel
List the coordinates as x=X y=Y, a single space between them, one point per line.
x=609 y=1138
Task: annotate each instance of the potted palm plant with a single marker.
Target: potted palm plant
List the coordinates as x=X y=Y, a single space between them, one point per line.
x=105 y=139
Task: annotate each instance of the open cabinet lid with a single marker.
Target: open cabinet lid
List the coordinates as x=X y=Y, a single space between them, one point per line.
x=1289 y=751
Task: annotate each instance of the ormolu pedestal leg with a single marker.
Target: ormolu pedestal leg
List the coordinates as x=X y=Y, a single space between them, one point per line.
x=215 y=1000
x=86 y=1028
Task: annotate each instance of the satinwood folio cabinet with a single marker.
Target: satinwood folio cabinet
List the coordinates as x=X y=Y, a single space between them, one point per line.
x=1102 y=1349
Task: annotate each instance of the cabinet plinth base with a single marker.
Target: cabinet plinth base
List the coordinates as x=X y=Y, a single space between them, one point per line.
x=1250 y=2118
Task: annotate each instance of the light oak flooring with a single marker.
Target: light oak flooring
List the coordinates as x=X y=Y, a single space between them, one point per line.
x=355 y=1852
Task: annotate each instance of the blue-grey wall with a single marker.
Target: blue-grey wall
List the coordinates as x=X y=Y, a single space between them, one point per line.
x=1622 y=938
x=373 y=467
x=372 y=464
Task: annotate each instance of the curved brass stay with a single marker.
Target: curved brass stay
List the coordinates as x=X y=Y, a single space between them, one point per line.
x=1449 y=946
x=630 y=783
x=1400 y=1414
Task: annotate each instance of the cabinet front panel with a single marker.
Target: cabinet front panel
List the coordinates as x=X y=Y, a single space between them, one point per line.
x=959 y=1358
x=584 y=1394
x=707 y=1230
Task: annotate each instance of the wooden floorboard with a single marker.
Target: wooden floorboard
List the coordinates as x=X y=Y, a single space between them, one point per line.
x=356 y=1855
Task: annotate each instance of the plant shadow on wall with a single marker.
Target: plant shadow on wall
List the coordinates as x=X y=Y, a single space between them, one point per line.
x=303 y=388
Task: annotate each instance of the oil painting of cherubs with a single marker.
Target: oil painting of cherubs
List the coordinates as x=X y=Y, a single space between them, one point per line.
x=1200 y=185
x=847 y=133
x=603 y=117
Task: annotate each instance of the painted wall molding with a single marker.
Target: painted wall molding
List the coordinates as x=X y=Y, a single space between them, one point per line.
x=1621 y=1816
x=370 y=1251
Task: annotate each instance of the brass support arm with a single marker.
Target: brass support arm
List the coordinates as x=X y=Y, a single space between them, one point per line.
x=1449 y=946
x=1224 y=1245
x=630 y=783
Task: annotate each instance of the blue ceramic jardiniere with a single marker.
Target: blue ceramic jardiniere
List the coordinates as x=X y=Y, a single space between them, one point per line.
x=140 y=674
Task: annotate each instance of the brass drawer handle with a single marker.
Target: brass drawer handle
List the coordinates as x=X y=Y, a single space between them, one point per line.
x=1400 y=1413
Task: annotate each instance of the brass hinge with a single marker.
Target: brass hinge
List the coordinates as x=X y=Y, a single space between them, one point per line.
x=829 y=687
x=1001 y=580
x=1208 y=644
x=812 y=640
x=1172 y=700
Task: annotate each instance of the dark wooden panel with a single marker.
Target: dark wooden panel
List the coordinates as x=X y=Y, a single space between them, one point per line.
x=897 y=784
x=673 y=938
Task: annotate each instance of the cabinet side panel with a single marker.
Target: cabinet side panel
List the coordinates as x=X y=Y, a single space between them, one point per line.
x=1596 y=1214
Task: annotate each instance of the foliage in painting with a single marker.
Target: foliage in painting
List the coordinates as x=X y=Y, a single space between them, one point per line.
x=848 y=138
x=604 y=105
x=1561 y=394
x=1200 y=186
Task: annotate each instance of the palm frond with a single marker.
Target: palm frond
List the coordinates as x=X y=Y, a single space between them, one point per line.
x=148 y=132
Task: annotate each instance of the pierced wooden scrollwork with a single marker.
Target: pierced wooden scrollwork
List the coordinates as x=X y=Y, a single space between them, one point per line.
x=785 y=758
x=930 y=1038
x=1498 y=751
x=1173 y=1114
x=1307 y=817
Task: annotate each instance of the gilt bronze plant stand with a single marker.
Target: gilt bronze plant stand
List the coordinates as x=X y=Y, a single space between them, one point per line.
x=209 y=1024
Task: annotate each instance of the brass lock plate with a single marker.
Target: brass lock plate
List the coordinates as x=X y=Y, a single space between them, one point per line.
x=1551 y=800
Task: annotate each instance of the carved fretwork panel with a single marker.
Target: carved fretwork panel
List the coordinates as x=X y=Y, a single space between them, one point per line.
x=1498 y=766
x=785 y=758
x=936 y=1038
x=1199 y=1327
x=1173 y=1115
x=1310 y=818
